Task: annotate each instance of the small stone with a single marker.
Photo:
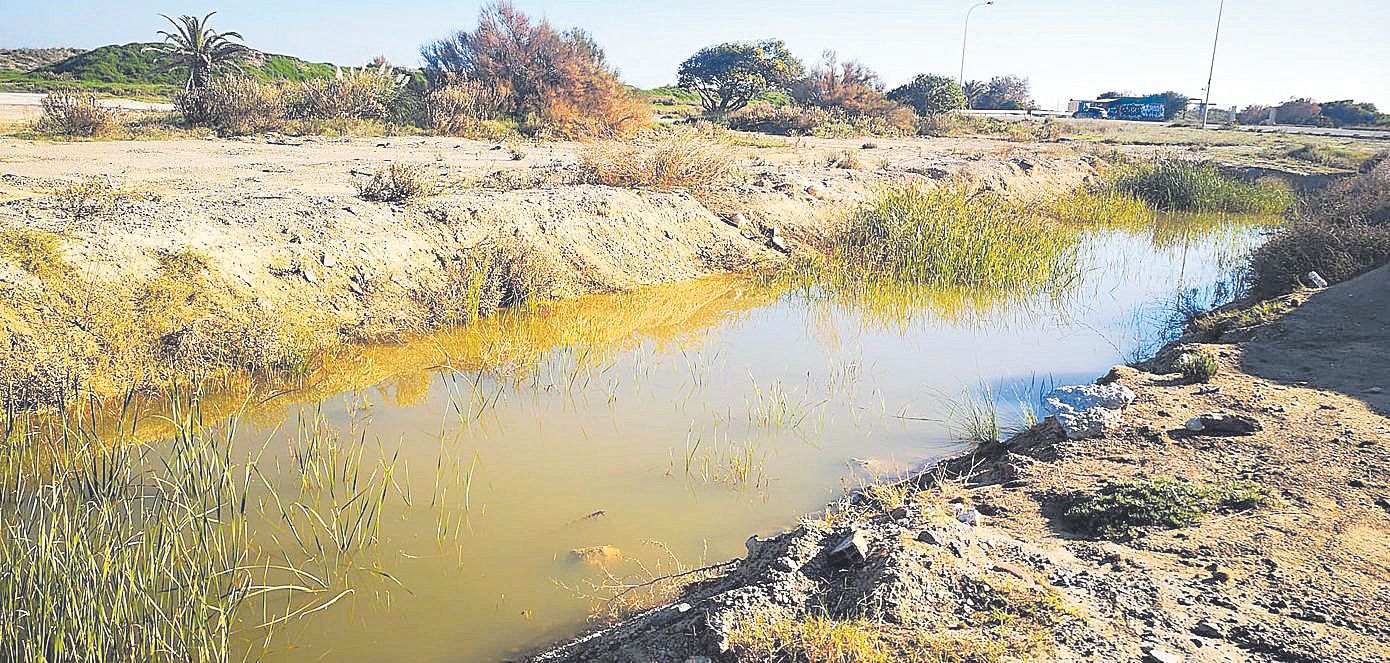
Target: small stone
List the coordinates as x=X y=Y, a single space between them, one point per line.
x=778 y=243
x=851 y=550
x=1217 y=423
x=1153 y=653
x=900 y=513
x=1207 y=629
x=932 y=537
x=328 y=260
x=596 y=554
x=1221 y=573
x=682 y=607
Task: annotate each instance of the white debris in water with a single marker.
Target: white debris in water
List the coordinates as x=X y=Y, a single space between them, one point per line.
x=1087 y=410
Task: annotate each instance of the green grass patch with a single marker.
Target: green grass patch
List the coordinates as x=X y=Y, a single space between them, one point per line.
x=1201 y=186
x=1124 y=509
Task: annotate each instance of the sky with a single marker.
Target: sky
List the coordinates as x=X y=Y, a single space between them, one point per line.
x=1270 y=50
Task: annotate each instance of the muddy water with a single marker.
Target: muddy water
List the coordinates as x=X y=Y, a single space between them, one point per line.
x=662 y=428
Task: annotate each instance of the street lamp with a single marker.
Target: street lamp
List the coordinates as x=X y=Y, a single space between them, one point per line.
x=965 y=35
x=1206 y=101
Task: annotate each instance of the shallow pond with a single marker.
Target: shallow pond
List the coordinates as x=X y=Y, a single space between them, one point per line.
x=659 y=429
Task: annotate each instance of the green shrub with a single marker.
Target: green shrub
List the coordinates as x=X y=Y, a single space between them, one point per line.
x=70 y=113
x=1201 y=186
x=929 y=95
x=1200 y=366
x=1124 y=508
x=793 y=120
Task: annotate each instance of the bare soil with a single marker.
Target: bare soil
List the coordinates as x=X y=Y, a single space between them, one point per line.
x=1304 y=577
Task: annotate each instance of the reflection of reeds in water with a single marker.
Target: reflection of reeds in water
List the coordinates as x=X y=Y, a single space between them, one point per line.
x=175 y=551
x=512 y=346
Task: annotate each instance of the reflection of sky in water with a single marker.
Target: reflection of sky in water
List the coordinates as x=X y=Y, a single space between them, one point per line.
x=800 y=387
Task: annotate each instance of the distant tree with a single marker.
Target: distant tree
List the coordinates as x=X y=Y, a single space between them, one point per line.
x=929 y=94
x=848 y=86
x=199 y=49
x=1254 y=114
x=975 y=93
x=728 y=76
x=1007 y=93
x=1173 y=103
x=1112 y=94
x=1349 y=113
x=1300 y=111
x=560 y=78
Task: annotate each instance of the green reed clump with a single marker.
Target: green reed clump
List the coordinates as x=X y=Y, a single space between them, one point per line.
x=1201 y=186
x=110 y=554
x=951 y=237
x=115 y=550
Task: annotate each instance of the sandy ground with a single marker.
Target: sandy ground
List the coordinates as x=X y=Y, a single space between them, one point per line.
x=1303 y=577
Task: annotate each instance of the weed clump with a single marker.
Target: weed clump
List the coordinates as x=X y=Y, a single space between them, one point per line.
x=848 y=160
x=1201 y=186
x=395 y=183
x=68 y=113
x=1200 y=366
x=1345 y=232
x=1124 y=509
x=679 y=161
x=949 y=237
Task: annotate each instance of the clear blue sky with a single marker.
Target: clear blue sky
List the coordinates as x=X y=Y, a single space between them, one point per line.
x=1270 y=49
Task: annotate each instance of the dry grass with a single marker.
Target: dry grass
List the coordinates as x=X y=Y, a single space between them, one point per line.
x=679 y=161
x=395 y=183
x=234 y=106
x=1345 y=232
x=75 y=114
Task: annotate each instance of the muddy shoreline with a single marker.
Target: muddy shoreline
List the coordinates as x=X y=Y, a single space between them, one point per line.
x=978 y=558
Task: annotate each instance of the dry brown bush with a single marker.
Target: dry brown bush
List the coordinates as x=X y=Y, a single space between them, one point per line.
x=233 y=106
x=459 y=109
x=556 y=82
x=75 y=114
x=1346 y=232
x=675 y=162
x=369 y=93
x=394 y=183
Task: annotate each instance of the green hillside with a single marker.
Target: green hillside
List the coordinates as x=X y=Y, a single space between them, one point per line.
x=131 y=69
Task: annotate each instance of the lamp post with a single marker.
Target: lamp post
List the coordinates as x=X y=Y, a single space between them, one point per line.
x=965 y=35
x=1206 y=101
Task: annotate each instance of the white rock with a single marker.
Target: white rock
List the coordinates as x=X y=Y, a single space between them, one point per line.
x=1088 y=410
x=1317 y=279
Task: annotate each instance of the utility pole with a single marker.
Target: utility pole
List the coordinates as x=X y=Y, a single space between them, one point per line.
x=965 y=35
x=1206 y=102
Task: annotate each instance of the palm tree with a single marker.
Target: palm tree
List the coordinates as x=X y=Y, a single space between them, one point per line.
x=975 y=92
x=200 y=49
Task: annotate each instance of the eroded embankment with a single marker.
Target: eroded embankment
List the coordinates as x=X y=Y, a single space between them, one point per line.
x=1151 y=541
x=208 y=256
